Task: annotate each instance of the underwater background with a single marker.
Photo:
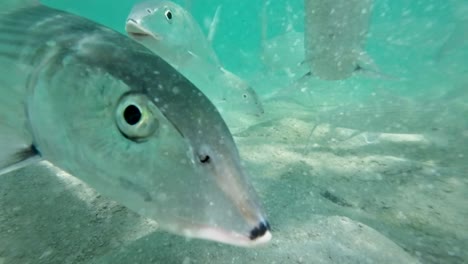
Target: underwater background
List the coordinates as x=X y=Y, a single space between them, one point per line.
x=371 y=169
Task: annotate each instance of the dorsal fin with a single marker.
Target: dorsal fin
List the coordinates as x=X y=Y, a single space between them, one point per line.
x=188 y=5
x=289 y=15
x=263 y=28
x=214 y=25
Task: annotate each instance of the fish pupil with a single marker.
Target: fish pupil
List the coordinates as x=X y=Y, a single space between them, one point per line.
x=132 y=115
x=169 y=15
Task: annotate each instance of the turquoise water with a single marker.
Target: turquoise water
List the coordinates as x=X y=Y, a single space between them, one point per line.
x=371 y=169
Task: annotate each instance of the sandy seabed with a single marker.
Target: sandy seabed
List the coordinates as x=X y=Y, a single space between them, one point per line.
x=334 y=194
x=369 y=170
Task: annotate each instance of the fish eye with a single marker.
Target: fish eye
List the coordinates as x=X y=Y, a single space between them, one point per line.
x=149 y=10
x=168 y=15
x=244 y=95
x=135 y=117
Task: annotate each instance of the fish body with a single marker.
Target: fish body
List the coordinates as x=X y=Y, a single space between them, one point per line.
x=335 y=35
x=284 y=53
x=171 y=32
x=108 y=111
x=458 y=38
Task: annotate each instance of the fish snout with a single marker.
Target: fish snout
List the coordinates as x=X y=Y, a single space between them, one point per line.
x=131 y=20
x=261 y=233
x=135 y=30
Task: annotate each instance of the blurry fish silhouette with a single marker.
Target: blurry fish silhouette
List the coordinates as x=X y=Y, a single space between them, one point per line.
x=456 y=41
x=105 y=109
x=171 y=32
x=282 y=54
x=458 y=38
x=335 y=35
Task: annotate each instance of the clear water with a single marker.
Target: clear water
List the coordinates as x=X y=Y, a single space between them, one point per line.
x=372 y=169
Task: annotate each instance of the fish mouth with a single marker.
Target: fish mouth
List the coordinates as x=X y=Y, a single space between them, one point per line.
x=136 y=31
x=259 y=235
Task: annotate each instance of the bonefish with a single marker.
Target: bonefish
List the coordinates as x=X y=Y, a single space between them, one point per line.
x=108 y=111
x=170 y=31
x=335 y=36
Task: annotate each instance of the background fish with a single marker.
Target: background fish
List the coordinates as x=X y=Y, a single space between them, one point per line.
x=335 y=35
x=282 y=54
x=171 y=32
x=458 y=38
x=175 y=28
x=103 y=108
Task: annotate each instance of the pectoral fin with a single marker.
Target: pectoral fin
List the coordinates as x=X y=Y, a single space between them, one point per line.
x=18 y=159
x=367 y=67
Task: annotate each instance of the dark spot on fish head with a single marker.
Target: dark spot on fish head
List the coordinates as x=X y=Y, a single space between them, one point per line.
x=204 y=155
x=204 y=159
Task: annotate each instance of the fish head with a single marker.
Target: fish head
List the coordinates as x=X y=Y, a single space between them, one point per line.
x=140 y=133
x=190 y=180
x=163 y=23
x=238 y=93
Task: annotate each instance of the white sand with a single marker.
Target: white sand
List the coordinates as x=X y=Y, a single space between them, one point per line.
x=334 y=195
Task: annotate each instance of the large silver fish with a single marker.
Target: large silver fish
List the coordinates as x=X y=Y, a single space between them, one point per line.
x=103 y=108
x=335 y=35
x=170 y=31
